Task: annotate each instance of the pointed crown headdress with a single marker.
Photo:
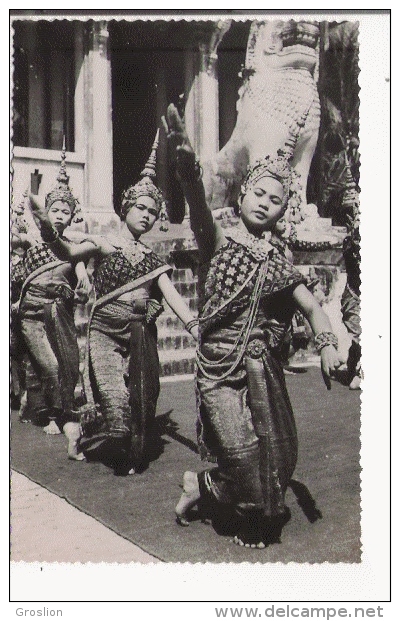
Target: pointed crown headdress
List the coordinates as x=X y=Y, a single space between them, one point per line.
x=351 y=205
x=351 y=199
x=280 y=167
x=145 y=187
x=62 y=191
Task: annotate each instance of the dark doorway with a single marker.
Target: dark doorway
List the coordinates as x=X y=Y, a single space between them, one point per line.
x=231 y=60
x=147 y=64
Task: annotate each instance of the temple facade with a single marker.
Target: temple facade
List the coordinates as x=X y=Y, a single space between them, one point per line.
x=105 y=85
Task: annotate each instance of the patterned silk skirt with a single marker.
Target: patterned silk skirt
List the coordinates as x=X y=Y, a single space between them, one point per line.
x=48 y=331
x=246 y=423
x=123 y=371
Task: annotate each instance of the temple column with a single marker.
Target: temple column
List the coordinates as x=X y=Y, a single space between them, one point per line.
x=79 y=97
x=202 y=93
x=202 y=107
x=98 y=131
x=161 y=103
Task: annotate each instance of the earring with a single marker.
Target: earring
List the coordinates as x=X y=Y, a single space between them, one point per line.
x=163 y=218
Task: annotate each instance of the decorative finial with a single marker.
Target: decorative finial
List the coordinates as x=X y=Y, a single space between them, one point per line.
x=62 y=191
x=25 y=193
x=146 y=187
x=19 y=209
x=63 y=178
x=150 y=168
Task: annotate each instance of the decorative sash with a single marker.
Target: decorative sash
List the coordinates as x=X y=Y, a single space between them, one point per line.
x=37 y=260
x=129 y=286
x=130 y=266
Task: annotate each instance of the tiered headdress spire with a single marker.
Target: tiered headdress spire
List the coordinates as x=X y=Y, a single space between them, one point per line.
x=145 y=186
x=279 y=167
x=62 y=191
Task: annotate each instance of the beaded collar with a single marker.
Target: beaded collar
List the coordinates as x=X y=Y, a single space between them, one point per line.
x=134 y=251
x=259 y=246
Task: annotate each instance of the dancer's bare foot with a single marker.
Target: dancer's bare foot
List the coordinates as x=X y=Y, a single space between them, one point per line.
x=23 y=408
x=190 y=496
x=73 y=433
x=355 y=383
x=52 y=428
x=240 y=541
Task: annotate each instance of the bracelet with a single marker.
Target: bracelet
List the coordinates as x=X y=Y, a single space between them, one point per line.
x=190 y=324
x=52 y=241
x=325 y=338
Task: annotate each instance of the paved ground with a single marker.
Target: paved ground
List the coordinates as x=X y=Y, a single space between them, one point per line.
x=39 y=516
x=36 y=537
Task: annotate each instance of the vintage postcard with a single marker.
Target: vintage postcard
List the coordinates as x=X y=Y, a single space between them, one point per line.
x=199 y=300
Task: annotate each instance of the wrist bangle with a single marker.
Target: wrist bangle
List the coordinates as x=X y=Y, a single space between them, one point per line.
x=51 y=241
x=325 y=338
x=190 y=324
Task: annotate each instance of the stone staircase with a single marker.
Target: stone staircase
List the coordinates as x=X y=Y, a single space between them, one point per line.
x=176 y=347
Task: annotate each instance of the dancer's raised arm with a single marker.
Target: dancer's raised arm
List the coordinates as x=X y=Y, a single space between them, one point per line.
x=63 y=249
x=208 y=233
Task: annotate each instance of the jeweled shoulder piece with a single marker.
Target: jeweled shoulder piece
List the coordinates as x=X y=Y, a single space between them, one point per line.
x=259 y=247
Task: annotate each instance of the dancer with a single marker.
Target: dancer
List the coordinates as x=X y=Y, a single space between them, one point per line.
x=46 y=320
x=250 y=293
x=350 y=303
x=122 y=365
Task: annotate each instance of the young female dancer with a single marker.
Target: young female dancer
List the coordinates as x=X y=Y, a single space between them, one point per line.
x=130 y=280
x=250 y=293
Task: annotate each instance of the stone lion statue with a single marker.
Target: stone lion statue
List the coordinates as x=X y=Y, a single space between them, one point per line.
x=278 y=106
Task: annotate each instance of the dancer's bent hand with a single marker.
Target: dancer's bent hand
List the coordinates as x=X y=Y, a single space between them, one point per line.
x=179 y=141
x=41 y=218
x=82 y=289
x=330 y=361
x=37 y=209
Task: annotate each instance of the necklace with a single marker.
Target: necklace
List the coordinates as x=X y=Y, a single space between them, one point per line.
x=133 y=250
x=259 y=246
x=243 y=338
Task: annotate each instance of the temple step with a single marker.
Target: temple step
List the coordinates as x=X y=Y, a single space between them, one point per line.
x=177 y=362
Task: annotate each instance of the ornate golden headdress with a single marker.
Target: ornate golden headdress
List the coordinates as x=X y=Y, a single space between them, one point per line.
x=279 y=168
x=146 y=187
x=351 y=203
x=62 y=191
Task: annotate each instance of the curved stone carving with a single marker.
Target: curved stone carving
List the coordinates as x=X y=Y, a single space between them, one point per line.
x=278 y=104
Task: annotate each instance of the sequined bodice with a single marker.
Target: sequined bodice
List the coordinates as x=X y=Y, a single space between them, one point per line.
x=127 y=264
x=232 y=276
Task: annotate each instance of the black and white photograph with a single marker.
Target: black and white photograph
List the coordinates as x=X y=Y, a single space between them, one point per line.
x=191 y=331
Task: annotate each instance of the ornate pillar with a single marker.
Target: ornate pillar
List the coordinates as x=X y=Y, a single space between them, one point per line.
x=98 y=130
x=202 y=107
